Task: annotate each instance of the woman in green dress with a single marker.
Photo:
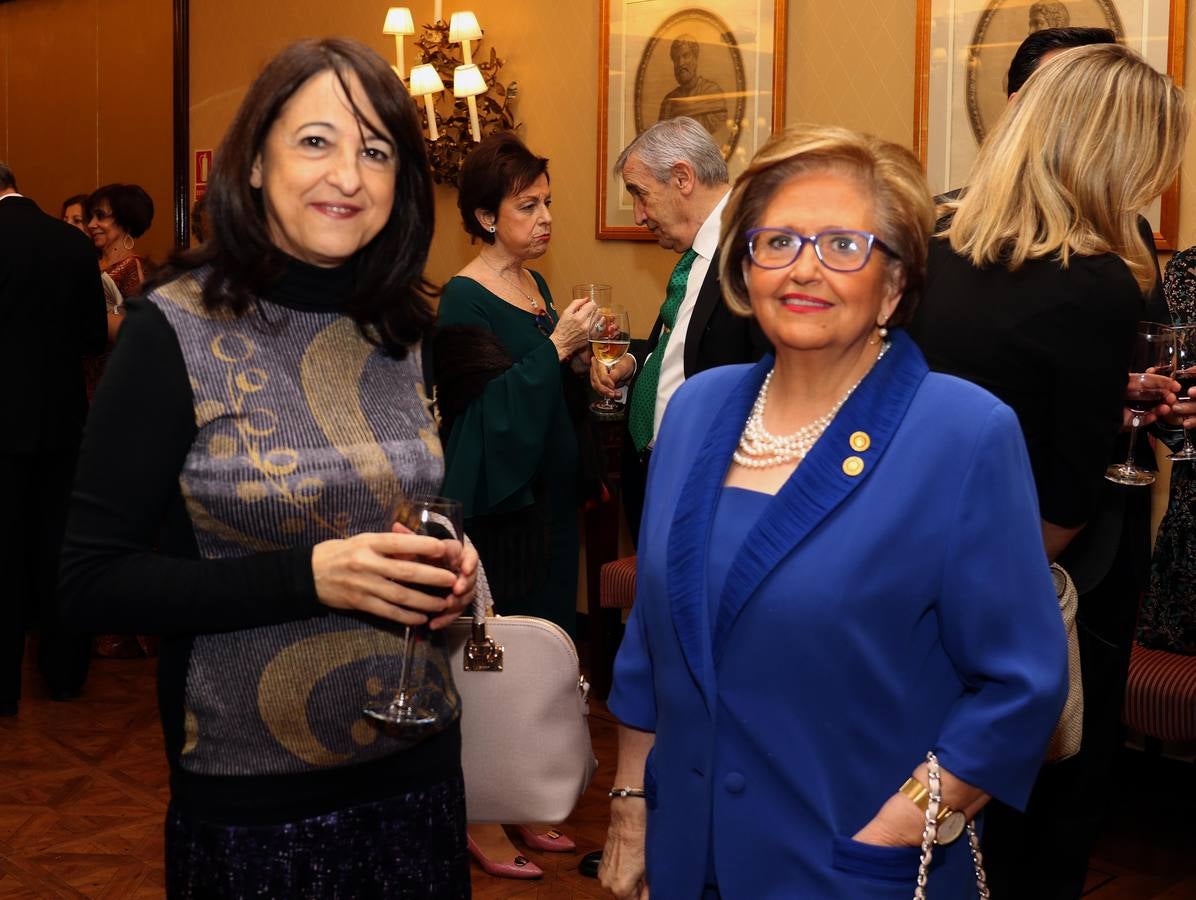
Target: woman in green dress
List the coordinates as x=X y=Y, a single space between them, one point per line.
x=509 y=398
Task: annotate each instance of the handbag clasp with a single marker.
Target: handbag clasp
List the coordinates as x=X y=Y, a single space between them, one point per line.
x=481 y=653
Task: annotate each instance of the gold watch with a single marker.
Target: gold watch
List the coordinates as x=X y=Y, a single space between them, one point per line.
x=951 y=822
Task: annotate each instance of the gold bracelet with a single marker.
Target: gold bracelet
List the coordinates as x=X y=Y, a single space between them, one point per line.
x=626 y=792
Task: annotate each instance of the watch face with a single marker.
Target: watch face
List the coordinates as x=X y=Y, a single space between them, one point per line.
x=951 y=828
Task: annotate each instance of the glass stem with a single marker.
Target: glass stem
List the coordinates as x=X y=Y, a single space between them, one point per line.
x=401 y=700
x=1129 y=456
x=1189 y=449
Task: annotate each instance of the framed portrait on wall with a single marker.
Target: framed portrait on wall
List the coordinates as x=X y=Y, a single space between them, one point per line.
x=721 y=63
x=964 y=48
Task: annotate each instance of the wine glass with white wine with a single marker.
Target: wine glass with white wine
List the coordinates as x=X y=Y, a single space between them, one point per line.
x=610 y=336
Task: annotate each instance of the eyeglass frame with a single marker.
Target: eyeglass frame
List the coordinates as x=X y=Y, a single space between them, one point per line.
x=812 y=239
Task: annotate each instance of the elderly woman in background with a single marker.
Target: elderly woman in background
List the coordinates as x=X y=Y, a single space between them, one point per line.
x=509 y=400
x=840 y=570
x=118 y=214
x=248 y=518
x=74 y=213
x=1036 y=282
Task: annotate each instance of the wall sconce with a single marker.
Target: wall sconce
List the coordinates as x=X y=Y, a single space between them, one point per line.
x=452 y=131
x=463 y=29
x=467 y=80
x=399 y=23
x=469 y=83
x=425 y=81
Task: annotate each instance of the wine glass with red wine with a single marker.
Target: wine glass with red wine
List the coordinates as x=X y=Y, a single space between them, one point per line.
x=1185 y=374
x=1153 y=354
x=400 y=706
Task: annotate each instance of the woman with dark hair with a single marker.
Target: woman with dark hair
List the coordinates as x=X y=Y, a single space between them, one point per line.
x=118 y=214
x=505 y=390
x=74 y=212
x=248 y=518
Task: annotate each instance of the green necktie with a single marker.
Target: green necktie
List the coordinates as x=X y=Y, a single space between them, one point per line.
x=643 y=395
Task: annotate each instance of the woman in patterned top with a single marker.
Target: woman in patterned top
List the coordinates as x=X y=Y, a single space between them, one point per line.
x=262 y=416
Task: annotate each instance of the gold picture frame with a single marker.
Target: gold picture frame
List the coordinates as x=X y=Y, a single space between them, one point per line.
x=963 y=52
x=722 y=62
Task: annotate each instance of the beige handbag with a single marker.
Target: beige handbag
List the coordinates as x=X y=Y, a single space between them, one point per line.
x=1065 y=742
x=525 y=738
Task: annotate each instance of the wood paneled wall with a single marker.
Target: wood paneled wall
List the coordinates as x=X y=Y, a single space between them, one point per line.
x=85 y=99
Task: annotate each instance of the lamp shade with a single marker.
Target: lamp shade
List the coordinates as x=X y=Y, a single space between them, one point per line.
x=425 y=80
x=468 y=81
x=398 y=21
x=464 y=27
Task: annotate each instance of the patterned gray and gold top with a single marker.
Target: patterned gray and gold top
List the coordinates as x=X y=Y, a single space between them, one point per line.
x=305 y=431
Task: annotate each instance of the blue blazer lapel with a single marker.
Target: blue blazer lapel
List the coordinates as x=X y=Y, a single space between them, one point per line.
x=689 y=534
x=822 y=481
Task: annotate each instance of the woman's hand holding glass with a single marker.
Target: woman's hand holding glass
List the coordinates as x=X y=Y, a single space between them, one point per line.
x=378 y=574
x=1153 y=383
x=1153 y=355
x=572 y=330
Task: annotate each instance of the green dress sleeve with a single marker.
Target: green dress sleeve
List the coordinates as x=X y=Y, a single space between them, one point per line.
x=497 y=444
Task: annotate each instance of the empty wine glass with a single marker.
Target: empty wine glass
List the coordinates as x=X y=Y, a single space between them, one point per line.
x=399 y=706
x=1153 y=353
x=610 y=336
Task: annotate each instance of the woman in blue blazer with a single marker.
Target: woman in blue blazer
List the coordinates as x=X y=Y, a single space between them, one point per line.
x=840 y=570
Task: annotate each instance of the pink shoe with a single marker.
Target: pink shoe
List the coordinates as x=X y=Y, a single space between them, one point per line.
x=551 y=841
x=519 y=867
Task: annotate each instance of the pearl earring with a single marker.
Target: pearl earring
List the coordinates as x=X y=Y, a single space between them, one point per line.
x=491 y=229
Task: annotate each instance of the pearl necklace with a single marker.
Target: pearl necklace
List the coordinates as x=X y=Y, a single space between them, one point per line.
x=497 y=271
x=759 y=449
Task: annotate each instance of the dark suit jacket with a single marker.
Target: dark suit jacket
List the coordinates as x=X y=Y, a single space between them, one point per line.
x=54 y=314
x=715 y=336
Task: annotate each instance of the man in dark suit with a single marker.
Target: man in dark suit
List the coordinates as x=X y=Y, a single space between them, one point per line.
x=54 y=315
x=678 y=183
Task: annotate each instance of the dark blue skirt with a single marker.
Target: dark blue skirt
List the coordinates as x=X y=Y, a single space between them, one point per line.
x=411 y=845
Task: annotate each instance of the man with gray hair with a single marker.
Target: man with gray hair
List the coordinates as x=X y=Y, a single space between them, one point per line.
x=678 y=183
x=54 y=314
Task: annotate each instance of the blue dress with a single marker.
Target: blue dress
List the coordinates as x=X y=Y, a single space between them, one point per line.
x=865 y=619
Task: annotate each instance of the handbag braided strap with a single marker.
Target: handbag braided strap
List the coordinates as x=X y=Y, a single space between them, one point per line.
x=930 y=832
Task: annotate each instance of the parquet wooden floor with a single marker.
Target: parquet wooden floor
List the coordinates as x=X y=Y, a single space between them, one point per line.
x=83 y=791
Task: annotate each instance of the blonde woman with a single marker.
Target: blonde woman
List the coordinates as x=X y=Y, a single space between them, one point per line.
x=1035 y=283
